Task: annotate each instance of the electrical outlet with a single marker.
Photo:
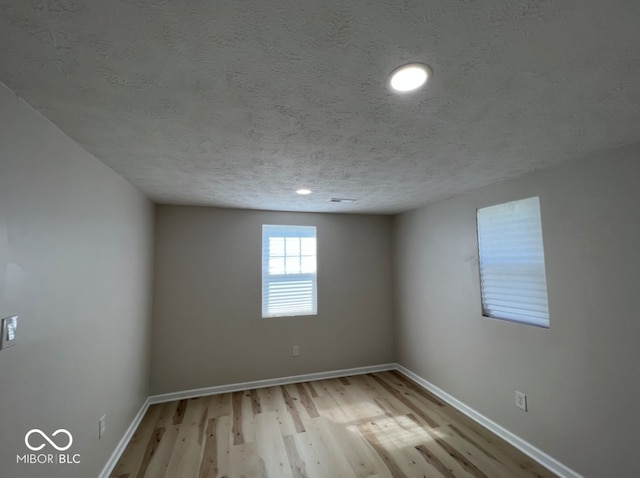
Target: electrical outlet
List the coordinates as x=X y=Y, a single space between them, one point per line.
x=295 y=350
x=521 y=400
x=102 y=426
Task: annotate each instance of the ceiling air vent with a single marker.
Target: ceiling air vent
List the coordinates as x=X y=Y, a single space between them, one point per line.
x=342 y=200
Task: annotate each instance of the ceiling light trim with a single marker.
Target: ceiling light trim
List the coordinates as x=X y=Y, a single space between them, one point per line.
x=409 y=78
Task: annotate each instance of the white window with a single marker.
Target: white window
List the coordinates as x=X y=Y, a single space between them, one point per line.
x=512 y=273
x=288 y=271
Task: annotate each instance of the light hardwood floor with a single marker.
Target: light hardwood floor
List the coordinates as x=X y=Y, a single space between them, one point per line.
x=375 y=425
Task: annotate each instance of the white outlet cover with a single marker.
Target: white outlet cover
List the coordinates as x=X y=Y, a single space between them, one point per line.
x=521 y=400
x=102 y=428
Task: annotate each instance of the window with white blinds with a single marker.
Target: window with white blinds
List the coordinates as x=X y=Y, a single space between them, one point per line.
x=288 y=271
x=512 y=273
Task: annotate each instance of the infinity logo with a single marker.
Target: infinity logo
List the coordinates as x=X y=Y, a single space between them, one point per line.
x=43 y=435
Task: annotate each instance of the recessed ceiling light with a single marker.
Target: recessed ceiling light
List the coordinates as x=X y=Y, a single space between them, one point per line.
x=304 y=191
x=409 y=77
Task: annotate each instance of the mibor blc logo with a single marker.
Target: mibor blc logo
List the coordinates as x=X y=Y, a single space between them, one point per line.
x=46 y=438
x=60 y=440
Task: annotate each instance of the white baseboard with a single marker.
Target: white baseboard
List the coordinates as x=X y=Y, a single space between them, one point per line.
x=124 y=441
x=525 y=447
x=528 y=449
x=237 y=387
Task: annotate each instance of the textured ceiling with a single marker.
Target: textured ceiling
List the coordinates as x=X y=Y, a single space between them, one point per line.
x=238 y=103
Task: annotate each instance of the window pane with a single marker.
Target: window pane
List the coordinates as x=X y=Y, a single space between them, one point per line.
x=308 y=264
x=512 y=272
x=308 y=246
x=293 y=246
x=276 y=265
x=276 y=246
x=292 y=265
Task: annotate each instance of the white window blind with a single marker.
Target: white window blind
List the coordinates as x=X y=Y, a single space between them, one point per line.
x=512 y=273
x=288 y=271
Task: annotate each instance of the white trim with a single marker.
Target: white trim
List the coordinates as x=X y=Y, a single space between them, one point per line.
x=237 y=387
x=525 y=447
x=124 y=441
x=528 y=449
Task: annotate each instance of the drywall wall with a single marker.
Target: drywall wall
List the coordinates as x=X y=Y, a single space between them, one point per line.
x=76 y=264
x=580 y=375
x=207 y=327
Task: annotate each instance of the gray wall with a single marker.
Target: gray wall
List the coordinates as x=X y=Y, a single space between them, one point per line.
x=76 y=261
x=581 y=375
x=75 y=264
x=207 y=326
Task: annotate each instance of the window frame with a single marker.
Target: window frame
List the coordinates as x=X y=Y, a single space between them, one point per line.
x=288 y=231
x=536 y=283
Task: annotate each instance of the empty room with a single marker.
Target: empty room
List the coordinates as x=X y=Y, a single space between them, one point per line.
x=304 y=239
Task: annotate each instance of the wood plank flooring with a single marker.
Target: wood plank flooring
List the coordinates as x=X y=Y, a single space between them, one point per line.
x=375 y=425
